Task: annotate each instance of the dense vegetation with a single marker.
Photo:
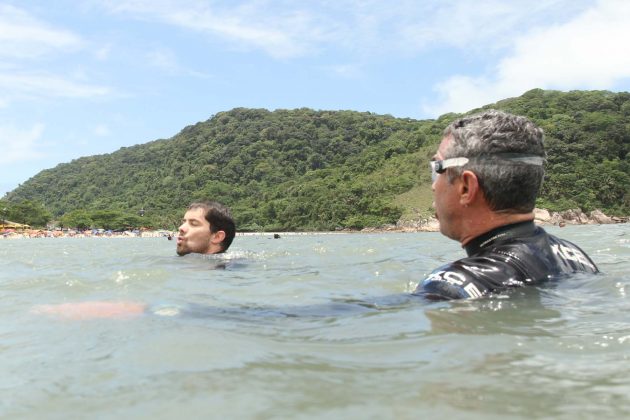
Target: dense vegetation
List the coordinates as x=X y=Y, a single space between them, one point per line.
x=322 y=170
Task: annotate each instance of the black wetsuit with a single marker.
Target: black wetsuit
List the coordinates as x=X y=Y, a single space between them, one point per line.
x=509 y=256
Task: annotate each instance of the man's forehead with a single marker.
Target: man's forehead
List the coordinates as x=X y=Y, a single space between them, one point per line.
x=195 y=213
x=443 y=147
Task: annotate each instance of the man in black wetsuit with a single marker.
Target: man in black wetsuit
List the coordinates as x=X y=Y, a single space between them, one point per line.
x=487 y=173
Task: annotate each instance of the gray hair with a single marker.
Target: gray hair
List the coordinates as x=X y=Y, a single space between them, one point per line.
x=508 y=185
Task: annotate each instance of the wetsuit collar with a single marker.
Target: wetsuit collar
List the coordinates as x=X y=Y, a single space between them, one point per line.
x=499 y=234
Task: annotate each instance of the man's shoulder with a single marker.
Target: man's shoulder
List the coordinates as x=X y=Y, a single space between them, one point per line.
x=468 y=277
x=512 y=263
x=570 y=256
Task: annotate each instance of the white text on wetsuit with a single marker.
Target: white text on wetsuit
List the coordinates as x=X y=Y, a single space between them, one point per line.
x=571 y=254
x=456 y=279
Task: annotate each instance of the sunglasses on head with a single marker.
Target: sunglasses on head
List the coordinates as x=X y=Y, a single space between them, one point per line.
x=440 y=166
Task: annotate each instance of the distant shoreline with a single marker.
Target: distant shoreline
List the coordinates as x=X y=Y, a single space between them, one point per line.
x=541 y=217
x=270 y=235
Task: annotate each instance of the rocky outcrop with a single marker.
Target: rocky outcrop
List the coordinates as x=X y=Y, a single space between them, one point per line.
x=575 y=217
x=601 y=218
x=423 y=225
x=541 y=217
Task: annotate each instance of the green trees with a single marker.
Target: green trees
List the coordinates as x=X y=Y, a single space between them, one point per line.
x=27 y=212
x=79 y=219
x=34 y=213
x=104 y=219
x=321 y=170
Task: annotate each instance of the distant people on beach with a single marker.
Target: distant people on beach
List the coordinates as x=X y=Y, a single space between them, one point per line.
x=207 y=228
x=487 y=173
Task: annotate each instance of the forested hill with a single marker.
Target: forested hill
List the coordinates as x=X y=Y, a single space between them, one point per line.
x=321 y=170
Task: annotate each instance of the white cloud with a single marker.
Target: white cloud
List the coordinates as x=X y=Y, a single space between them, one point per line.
x=591 y=50
x=166 y=60
x=279 y=32
x=23 y=36
x=101 y=130
x=347 y=71
x=103 y=53
x=463 y=93
x=25 y=44
x=163 y=59
x=42 y=85
x=20 y=145
x=588 y=52
x=357 y=29
x=480 y=25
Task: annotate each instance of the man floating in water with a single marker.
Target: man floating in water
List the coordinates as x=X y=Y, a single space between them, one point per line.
x=487 y=173
x=207 y=228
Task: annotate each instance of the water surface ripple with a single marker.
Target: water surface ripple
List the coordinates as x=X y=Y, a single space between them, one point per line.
x=307 y=326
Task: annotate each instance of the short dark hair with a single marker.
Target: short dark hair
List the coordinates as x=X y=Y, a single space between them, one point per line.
x=220 y=218
x=509 y=187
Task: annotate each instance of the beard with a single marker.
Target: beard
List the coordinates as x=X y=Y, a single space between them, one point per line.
x=182 y=249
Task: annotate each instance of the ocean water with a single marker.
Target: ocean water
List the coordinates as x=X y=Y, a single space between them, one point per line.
x=306 y=327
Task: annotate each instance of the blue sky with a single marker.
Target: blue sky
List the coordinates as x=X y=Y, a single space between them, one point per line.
x=81 y=78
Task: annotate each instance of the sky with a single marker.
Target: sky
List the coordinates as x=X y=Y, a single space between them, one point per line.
x=87 y=77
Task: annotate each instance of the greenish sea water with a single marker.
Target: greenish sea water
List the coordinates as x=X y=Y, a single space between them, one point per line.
x=307 y=327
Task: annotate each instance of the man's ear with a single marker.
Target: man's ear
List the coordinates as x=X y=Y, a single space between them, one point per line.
x=468 y=188
x=218 y=237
